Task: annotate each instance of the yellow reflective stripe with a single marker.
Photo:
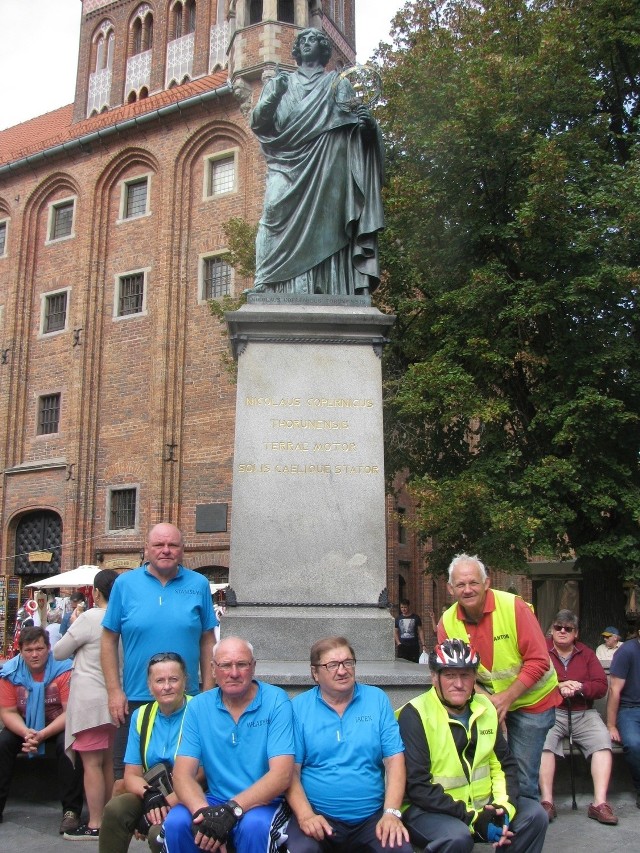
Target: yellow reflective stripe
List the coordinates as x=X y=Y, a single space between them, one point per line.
x=500 y=674
x=480 y=772
x=449 y=782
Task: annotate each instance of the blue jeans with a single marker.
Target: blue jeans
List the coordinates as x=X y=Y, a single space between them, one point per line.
x=629 y=727
x=526 y=734
x=250 y=835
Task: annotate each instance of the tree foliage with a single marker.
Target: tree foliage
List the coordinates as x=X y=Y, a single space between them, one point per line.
x=512 y=263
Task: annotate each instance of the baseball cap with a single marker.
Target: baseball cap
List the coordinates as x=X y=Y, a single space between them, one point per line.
x=609 y=631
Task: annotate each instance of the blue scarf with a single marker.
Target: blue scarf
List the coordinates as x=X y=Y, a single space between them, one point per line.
x=17 y=672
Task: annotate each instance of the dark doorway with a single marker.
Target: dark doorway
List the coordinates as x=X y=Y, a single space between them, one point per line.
x=38 y=531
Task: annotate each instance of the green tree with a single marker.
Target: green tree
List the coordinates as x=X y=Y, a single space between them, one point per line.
x=512 y=263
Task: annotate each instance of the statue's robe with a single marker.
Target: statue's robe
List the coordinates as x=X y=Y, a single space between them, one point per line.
x=323 y=206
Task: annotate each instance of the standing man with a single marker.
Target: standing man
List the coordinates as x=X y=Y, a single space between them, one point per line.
x=409 y=635
x=612 y=642
x=349 y=773
x=623 y=706
x=582 y=679
x=34 y=691
x=462 y=782
x=161 y=600
x=241 y=734
x=515 y=668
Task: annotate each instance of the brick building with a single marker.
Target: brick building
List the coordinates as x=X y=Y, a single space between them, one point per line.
x=116 y=410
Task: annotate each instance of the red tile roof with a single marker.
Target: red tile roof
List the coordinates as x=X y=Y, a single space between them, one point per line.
x=56 y=127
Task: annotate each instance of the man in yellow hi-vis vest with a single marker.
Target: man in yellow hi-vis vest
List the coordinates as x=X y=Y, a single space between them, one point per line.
x=516 y=671
x=462 y=782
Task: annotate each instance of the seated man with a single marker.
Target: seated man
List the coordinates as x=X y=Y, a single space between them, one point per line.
x=607 y=649
x=34 y=690
x=582 y=679
x=153 y=740
x=349 y=773
x=241 y=732
x=462 y=781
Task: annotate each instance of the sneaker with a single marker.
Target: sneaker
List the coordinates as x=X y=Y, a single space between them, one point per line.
x=70 y=821
x=82 y=833
x=603 y=814
x=550 y=809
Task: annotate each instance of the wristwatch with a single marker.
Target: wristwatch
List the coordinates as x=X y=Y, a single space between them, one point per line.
x=236 y=808
x=395 y=812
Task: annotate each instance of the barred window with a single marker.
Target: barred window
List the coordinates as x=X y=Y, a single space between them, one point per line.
x=55 y=312
x=48 y=414
x=135 y=198
x=122 y=512
x=3 y=238
x=286 y=11
x=222 y=175
x=131 y=294
x=216 y=278
x=61 y=220
x=255 y=11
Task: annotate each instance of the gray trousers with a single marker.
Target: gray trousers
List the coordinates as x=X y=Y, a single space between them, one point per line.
x=440 y=833
x=120 y=818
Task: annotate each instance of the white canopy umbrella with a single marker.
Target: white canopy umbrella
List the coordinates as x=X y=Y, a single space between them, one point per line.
x=82 y=576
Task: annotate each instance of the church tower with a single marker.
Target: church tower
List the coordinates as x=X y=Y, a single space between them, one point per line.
x=263 y=32
x=131 y=49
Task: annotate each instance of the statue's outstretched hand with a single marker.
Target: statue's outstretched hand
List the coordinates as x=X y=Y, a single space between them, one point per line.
x=280 y=83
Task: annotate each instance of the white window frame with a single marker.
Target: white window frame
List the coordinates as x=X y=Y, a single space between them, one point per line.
x=205 y=256
x=53 y=206
x=124 y=190
x=43 y=312
x=5 y=221
x=120 y=488
x=116 y=293
x=209 y=160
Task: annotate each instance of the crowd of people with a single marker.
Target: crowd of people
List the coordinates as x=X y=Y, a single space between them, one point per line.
x=238 y=766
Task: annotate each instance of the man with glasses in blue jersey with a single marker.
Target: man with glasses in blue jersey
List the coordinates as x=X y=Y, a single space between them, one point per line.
x=241 y=734
x=349 y=774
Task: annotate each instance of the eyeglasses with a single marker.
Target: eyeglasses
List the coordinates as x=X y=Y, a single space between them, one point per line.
x=241 y=666
x=334 y=665
x=568 y=629
x=163 y=657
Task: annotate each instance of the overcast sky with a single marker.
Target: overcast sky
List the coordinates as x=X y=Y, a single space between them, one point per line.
x=40 y=72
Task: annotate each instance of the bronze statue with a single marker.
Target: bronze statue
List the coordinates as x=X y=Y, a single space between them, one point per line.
x=323 y=206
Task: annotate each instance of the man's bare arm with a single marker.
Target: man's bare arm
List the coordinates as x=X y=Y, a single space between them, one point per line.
x=118 y=705
x=207 y=641
x=613 y=704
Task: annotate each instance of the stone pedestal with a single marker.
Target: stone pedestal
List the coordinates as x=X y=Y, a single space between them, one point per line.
x=308 y=539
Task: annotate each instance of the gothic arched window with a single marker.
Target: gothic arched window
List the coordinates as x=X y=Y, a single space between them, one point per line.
x=104 y=42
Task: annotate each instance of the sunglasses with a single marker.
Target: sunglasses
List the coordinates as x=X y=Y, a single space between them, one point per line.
x=569 y=629
x=163 y=657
